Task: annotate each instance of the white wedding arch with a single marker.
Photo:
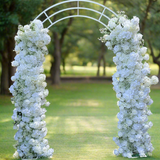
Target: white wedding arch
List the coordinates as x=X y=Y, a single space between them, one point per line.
x=78 y=7
x=131 y=82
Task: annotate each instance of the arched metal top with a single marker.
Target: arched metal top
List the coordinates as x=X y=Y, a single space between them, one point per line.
x=77 y=15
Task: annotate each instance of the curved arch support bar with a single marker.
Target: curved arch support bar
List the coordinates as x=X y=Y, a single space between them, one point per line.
x=78 y=16
x=89 y=9
x=75 y=1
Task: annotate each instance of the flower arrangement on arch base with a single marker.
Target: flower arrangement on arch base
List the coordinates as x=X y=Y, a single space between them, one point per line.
x=132 y=86
x=29 y=92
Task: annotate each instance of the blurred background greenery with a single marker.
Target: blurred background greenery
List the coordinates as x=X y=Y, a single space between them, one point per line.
x=75 y=49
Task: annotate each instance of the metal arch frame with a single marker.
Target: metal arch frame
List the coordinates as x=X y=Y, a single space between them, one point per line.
x=78 y=15
x=84 y=16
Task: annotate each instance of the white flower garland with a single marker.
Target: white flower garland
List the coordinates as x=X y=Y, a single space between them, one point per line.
x=29 y=92
x=132 y=86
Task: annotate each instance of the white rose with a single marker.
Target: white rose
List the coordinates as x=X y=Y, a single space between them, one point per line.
x=50 y=152
x=147 y=81
x=122 y=20
x=146 y=57
x=116 y=152
x=120 y=134
x=116 y=48
x=108 y=44
x=150 y=102
x=131 y=139
x=139 y=36
x=46 y=92
x=118 y=95
x=40 y=44
x=135 y=20
x=29 y=44
x=106 y=37
x=26 y=102
x=16 y=155
x=134 y=112
x=43 y=117
x=41 y=69
x=45 y=141
x=38 y=24
x=42 y=77
x=143 y=50
x=13 y=78
x=27 y=27
x=37 y=149
x=44 y=48
x=44 y=84
x=46 y=39
x=154 y=80
x=149 y=113
x=47 y=104
x=129 y=122
x=16 y=38
x=45 y=30
x=111 y=24
x=45 y=149
x=21 y=124
x=120 y=150
x=129 y=155
x=15 y=63
x=32 y=87
x=17 y=49
x=115 y=59
x=138 y=136
x=126 y=47
x=142 y=154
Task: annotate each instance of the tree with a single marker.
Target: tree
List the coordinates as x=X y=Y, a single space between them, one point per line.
x=12 y=13
x=70 y=45
x=153 y=32
x=102 y=58
x=58 y=42
x=102 y=55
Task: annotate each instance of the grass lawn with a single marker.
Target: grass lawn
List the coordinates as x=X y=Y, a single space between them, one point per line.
x=81 y=122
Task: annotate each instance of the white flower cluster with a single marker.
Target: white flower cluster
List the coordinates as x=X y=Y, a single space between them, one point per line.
x=132 y=86
x=29 y=92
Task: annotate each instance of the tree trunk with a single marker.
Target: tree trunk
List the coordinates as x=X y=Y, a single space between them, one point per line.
x=63 y=64
x=55 y=68
x=143 y=23
x=102 y=57
x=104 y=65
x=98 y=66
x=5 y=73
x=7 y=70
x=158 y=73
x=103 y=47
x=11 y=53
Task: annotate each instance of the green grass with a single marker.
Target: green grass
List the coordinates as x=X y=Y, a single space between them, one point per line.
x=81 y=122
